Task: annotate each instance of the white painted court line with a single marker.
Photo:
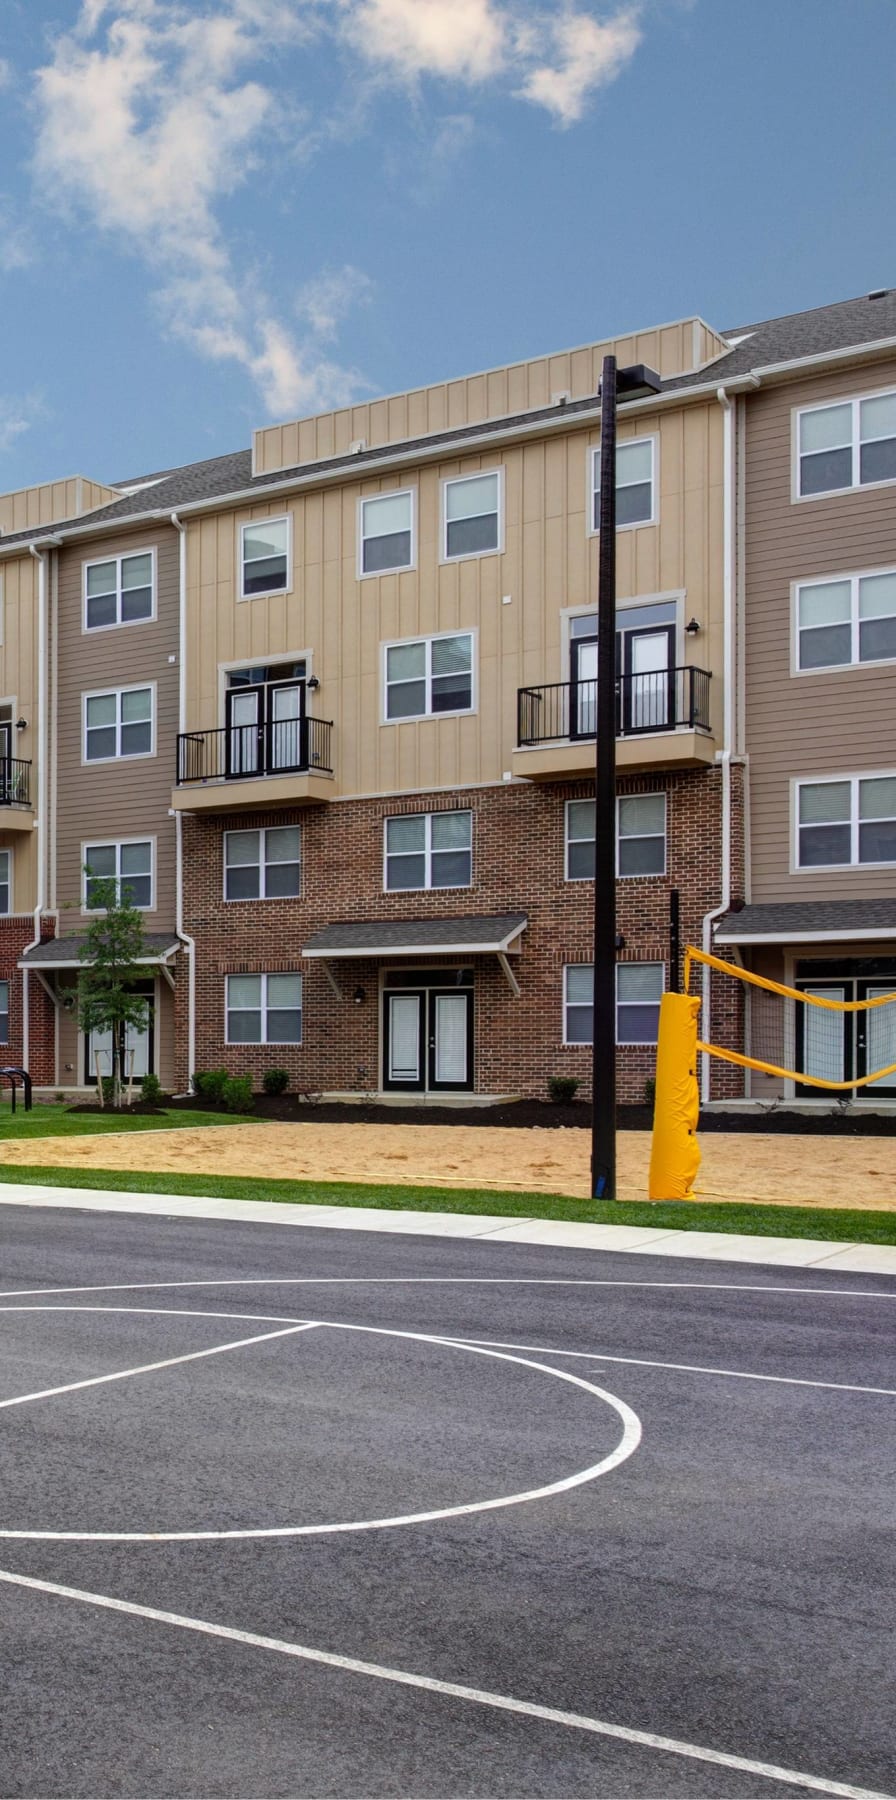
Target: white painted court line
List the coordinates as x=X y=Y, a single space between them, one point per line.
x=451 y=1690
x=564 y=1281
x=169 y=1362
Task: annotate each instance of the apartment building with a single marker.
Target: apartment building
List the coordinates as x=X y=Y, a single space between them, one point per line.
x=327 y=707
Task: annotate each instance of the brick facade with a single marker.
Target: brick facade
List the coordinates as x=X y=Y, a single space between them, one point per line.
x=15 y=932
x=518 y=866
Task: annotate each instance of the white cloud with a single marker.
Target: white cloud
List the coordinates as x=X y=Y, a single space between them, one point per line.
x=14 y=421
x=16 y=243
x=585 y=55
x=461 y=39
x=324 y=302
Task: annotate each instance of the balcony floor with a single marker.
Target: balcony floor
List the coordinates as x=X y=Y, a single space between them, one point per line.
x=559 y=761
x=305 y=788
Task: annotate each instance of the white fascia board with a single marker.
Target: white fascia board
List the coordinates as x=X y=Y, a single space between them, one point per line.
x=858 y=935
x=505 y=947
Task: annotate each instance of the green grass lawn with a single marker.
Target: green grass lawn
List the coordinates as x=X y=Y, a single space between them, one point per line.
x=765 y=1221
x=56 y=1121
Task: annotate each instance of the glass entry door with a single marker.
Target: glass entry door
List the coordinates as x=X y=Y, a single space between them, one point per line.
x=846 y=1046
x=265 y=728
x=428 y=1038
x=648 y=675
x=98 y=1048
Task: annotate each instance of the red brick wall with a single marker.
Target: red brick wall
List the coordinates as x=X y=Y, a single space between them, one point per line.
x=15 y=933
x=518 y=866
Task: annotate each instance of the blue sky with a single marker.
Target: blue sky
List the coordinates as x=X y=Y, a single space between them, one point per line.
x=214 y=213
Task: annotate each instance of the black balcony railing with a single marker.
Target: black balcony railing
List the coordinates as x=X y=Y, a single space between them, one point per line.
x=243 y=752
x=15 y=782
x=661 y=700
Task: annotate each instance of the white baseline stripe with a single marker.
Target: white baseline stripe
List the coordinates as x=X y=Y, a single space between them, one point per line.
x=723 y=1287
x=452 y=1690
x=72 y=1387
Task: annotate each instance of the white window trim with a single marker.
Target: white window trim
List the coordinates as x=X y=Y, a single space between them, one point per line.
x=470 y=555
x=575 y=1043
x=427 y=886
x=243 y=662
x=655 y=874
x=855 y=401
x=800 y=781
x=630 y=1043
x=623 y=603
x=7 y=849
x=652 y=438
x=459 y=712
x=241 y=900
x=119 y=624
x=394 y=568
x=267 y=593
x=262 y=1042
x=566 y=842
x=854 y=577
x=133 y=687
x=101 y=843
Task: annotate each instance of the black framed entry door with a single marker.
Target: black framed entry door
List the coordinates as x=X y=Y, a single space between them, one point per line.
x=846 y=1046
x=428 y=1039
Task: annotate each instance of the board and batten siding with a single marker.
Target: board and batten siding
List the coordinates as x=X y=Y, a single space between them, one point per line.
x=18 y=687
x=548 y=563
x=71 y=1055
x=50 y=502
x=836 y=723
x=129 y=798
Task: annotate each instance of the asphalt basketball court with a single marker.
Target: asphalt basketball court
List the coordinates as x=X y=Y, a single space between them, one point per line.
x=319 y=1513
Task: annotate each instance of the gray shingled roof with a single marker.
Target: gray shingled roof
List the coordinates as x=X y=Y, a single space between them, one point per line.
x=801 y=920
x=58 y=952
x=846 y=325
x=479 y=933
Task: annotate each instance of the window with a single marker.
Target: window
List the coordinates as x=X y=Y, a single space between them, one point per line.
x=635 y=482
x=851 y=821
x=118 y=591
x=264 y=556
x=434 y=675
x=5 y=882
x=849 y=445
x=639 y=987
x=118 y=724
x=4 y=1012
x=429 y=850
x=850 y=620
x=262 y=865
x=472 y=515
x=580 y=840
x=128 y=864
x=641 y=835
x=387 y=533
x=264 y=1009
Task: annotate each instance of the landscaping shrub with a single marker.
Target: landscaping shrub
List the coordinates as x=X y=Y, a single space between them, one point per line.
x=650 y=1090
x=108 y=1090
x=210 y=1084
x=151 y=1090
x=275 y=1081
x=237 y=1095
x=562 y=1088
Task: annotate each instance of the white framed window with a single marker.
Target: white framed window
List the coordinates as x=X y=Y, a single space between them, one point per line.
x=845 y=621
x=639 y=989
x=471 y=515
x=846 y=444
x=846 y=822
x=428 y=850
x=5 y=882
x=636 y=460
x=128 y=862
x=120 y=590
x=264 y=1009
x=119 y=722
x=4 y=1012
x=640 y=835
x=265 y=556
x=263 y=865
x=428 y=676
x=386 y=533
x=579 y=840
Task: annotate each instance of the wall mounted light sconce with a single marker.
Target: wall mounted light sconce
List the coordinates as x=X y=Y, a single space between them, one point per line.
x=21 y=724
x=312 y=683
x=69 y=1002
x=620 y=941
x=359 y=996
x=693 y=627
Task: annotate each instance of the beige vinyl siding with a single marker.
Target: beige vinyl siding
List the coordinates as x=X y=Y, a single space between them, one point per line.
x=549 y=563
x=71 y=1063
x=18 y=685
x=51 y=502
x=128 y=798
x=837 y=722
x=497 y=393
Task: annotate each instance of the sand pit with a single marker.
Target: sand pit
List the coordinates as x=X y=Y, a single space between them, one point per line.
x=805 y=1171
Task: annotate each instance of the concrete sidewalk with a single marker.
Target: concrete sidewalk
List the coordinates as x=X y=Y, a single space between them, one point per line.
x=715 y=1246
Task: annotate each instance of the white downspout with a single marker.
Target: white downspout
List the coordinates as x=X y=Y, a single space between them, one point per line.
x=188 y=942
x=724 y=755
x=40 y=823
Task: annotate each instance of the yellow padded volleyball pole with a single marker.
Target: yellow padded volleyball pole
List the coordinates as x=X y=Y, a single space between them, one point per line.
x=674 y=1151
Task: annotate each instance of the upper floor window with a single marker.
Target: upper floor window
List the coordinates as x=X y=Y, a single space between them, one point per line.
x=429 y=850
x=432 y=675
x=5 y=881
x=472 y=515
x=118 y=723
x=262 y=865
x=128 y=864
x=264 y=1009
x=119 y=591
x=640 y=836
x=387 y=533
x=264 y=557
x=851 y=821
x=635 y=483
x=849 y=620
x=848 y=445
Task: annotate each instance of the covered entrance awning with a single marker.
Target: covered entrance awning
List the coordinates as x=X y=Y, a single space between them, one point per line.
x=477 y=934
x=809 y=922
x=55 y=954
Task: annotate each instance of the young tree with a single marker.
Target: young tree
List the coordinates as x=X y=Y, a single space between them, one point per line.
x=110 y=968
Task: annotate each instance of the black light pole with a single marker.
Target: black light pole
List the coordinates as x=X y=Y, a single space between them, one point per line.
x=627 y=383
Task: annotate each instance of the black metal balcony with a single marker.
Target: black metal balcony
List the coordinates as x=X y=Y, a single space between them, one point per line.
x=248 y=752
x=661 y=700
x=15 y=782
